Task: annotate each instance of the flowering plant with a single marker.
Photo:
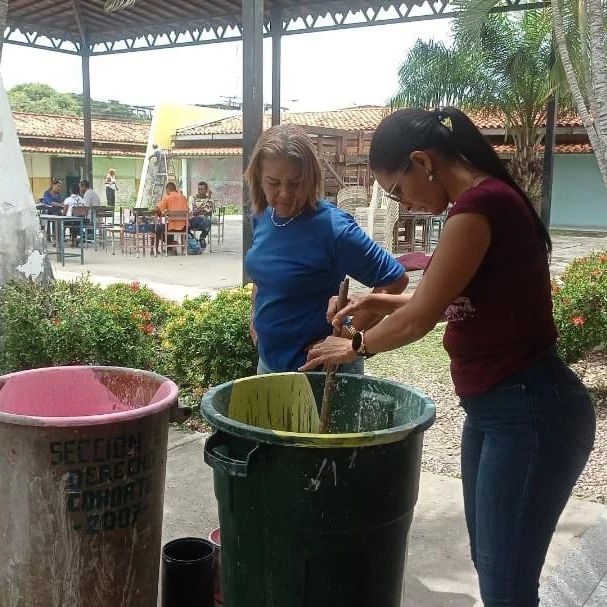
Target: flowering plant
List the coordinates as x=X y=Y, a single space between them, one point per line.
x=580 y=306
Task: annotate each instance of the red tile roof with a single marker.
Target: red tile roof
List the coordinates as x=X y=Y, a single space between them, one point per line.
x=559 y=148
x=185 y=152
x=363 y=118
x=237 y=150
x=44 y=126
x=70 y=151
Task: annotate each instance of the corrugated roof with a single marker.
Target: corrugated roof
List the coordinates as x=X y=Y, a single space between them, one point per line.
x=362 y=118
x=71 y=128
x=58 y=18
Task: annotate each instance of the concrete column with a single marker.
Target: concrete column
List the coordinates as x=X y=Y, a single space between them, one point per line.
x=252 y=107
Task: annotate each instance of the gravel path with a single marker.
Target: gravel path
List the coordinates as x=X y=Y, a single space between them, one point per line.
x=442 y=441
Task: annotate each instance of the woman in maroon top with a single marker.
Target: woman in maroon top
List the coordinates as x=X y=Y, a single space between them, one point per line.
x=529 y=420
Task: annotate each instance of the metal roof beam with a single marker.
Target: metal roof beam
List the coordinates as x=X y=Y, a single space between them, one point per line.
x=225 y=27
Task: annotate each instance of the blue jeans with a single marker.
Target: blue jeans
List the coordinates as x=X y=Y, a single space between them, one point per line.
x=202 y=223
x=524 y=445
x=357 y=367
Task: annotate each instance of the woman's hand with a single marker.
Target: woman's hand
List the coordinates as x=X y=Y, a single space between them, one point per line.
x=356 y=303
x=333 y=351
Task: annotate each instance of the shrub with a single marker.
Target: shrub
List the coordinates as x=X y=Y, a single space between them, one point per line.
x=207 y=342
x=79 y=323
x=199 y=343
x=580 y=306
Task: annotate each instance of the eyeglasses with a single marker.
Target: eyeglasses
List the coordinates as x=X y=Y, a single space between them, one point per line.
x=394 y=192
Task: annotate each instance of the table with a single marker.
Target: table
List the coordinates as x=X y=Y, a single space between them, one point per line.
x=60 y=221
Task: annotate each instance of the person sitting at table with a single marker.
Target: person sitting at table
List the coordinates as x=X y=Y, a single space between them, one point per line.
x=90 y=197
x=202 y=209
x=52 y=200
x=171 y=203
x=73 y=200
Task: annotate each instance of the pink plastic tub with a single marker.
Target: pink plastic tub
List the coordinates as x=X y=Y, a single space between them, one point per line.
x=82 y=467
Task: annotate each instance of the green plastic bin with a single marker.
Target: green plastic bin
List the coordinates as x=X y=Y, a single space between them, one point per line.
x=318 y=520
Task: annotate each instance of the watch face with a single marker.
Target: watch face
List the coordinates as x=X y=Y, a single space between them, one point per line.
x=357 y=341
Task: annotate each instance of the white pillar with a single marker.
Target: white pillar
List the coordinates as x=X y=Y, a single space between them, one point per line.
x=21 y=240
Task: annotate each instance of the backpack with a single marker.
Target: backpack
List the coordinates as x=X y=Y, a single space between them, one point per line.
x=194 y=247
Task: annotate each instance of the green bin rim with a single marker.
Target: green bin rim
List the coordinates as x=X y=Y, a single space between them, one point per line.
x=321 y=441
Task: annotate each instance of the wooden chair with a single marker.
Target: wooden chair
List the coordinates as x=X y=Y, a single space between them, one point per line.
x=351 y=198
x=180 y=236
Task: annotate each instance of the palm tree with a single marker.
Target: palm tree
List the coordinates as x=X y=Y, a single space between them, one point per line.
x=117 y=5
x=579 y=32
x=505 y=69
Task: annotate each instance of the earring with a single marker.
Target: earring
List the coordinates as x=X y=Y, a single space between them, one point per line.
x=430 y=177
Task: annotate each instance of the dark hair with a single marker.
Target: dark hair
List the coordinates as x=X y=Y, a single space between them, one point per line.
x=55 y=181
x=204 y=183
x=75 y=189
x=171 y=187
x=449 y=131
x=85 y=183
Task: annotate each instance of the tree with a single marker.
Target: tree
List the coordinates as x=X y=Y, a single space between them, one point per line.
x=579 y=32
x=43 y=99
x=505 y=69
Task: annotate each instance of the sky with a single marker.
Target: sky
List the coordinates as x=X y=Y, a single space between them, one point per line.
x=321 y=71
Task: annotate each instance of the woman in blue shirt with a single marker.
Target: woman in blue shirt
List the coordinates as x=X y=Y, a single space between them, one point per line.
x=302 y=249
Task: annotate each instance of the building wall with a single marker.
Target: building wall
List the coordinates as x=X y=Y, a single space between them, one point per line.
x=223 y=174
x=70 y=169
x=39 y=172
x=579 y=199
x=128 y=173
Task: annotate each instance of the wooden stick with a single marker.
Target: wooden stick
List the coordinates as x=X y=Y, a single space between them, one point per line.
x=325 y=411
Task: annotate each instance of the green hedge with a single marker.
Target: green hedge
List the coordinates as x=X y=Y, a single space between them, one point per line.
x=198 y=343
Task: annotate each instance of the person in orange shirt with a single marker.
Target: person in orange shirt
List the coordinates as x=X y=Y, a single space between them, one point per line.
x=172 y=202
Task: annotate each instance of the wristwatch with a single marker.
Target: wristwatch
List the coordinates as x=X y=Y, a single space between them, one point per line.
x=348 y=326
x=358 y=344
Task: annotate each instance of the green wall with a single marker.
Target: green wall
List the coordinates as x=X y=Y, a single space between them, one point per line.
x=579 y=199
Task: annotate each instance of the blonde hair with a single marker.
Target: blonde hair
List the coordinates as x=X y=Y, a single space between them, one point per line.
x=291 y=142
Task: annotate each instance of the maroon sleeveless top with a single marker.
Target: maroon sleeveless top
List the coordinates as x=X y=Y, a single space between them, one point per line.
x=502 y=321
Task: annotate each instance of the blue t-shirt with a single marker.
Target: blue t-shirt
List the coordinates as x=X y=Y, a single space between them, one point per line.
x=297 y=268
x=49 y=198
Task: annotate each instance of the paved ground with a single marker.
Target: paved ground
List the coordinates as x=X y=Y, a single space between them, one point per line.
x=176 y=277
x=439 y=571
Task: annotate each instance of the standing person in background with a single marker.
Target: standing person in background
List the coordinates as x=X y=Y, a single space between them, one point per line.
x=530 y=423
x=202 y=209
x=111 y=187
x=303 y=247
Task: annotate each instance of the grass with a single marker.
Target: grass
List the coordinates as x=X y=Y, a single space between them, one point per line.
x=424 y=360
